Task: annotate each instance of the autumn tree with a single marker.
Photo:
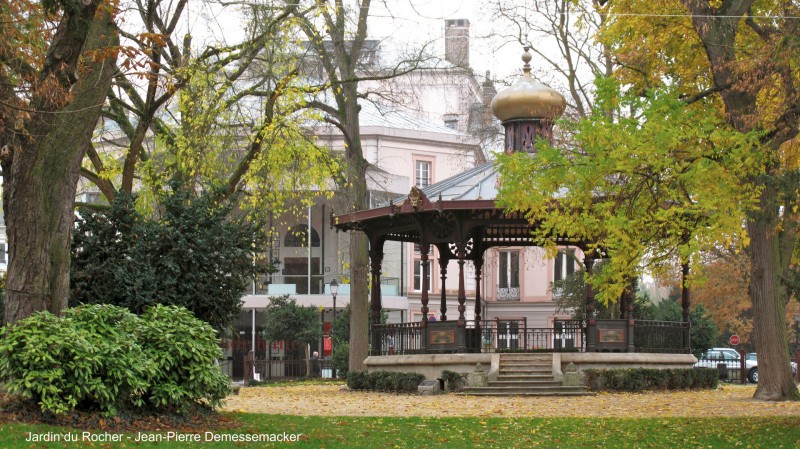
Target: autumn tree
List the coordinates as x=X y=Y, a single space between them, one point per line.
x=743 y=54
x=689 y=185
x=57 y=61
x=227 y=118
x=337 y=33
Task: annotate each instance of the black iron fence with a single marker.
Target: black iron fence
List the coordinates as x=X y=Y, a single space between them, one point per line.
x=399 y=338
x=261 y=370
x=484 y=336
x=515 y=335
x=661 y=336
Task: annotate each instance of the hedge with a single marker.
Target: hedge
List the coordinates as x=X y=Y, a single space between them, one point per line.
x=648 y=379
x=384 y=381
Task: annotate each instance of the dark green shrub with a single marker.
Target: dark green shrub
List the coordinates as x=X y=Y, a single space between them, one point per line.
x=384 y=381
x=357 y=380
x=409 y=382
x=644 y=379
x=104 y=357
x=340 y=360
x=453 y=381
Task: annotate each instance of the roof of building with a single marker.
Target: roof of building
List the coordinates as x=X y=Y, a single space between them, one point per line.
x=374 y=114
x=477 y=183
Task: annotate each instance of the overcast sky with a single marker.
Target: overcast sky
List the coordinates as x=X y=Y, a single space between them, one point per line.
x=399 y=23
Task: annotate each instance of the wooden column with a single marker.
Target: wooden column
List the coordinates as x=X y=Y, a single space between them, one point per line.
x=686 y=302
x=462 y=294
x=478 y=273
x=591 y=337
x=376 y=259
x=685 y=298
x=424 y=249
x=443 y=261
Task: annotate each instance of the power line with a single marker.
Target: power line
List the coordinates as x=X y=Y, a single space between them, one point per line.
x=705 y=16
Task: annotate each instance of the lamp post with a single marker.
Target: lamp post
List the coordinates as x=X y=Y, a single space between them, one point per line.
x=797 y=345
x=334 y=290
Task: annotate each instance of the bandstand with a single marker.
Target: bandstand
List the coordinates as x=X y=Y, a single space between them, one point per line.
x=459 y=217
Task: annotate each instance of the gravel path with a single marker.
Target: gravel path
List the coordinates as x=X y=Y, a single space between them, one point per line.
x=337 y=400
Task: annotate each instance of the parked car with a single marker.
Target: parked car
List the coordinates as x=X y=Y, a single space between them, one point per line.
x=752 y=375
x=730 y=357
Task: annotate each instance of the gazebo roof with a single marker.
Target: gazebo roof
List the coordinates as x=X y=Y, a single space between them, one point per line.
x=459 y=209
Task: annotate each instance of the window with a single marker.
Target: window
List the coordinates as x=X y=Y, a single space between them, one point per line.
x=508 y=276
x=418 y=275
x=423 y=174
x=509 y=269
x=564 y=265
x=2 y=253
x=298 y=237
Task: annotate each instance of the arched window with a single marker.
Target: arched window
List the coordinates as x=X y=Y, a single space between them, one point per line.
x=298 y=237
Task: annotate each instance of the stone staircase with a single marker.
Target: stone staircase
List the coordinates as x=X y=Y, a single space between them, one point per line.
x=522 y=374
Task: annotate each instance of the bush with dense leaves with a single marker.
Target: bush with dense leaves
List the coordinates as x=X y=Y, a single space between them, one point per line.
x=102 y=357
x=454 y=381
x=197 y=255
x=384 y=381
x=646 y=379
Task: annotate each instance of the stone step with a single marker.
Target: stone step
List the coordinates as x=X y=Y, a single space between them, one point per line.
x=527 y=378
x=526 y=356
x=538 y=393
x=525 y=383
x=527 y=391
x=517 y=371
x=526 y=365
x=504 y=362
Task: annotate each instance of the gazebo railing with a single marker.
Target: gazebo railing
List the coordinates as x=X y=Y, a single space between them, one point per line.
x=661 y=336
x=397 y=339
x=490 y=336
x=515 y=336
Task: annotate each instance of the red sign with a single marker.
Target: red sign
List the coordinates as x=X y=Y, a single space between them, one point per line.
x=734 y=340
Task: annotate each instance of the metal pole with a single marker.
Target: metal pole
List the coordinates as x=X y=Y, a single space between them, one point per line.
x=253 y=344
x=308 y=237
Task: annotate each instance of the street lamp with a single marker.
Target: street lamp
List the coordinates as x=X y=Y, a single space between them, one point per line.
x=797 y=345
x=334 y=290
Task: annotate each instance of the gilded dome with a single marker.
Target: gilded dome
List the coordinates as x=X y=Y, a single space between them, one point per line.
x=528 y=98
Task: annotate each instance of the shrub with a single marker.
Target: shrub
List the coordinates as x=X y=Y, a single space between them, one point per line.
x=340 y=360
x=357 y=380
x=185 y=351
x=102 y=357
x=643 y=379
x=453 y=381
x=384 y=381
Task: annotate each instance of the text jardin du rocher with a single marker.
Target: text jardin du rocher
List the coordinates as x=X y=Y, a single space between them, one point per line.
x=105 y=437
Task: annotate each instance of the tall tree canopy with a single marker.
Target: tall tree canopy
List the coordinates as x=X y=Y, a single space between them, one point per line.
x=665 y=181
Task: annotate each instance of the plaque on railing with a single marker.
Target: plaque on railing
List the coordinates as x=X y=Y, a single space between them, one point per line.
x=508 y=294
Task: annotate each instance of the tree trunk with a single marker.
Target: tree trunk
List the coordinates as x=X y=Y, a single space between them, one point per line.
x=769 y=298
x=359 y=245
x=41 y=183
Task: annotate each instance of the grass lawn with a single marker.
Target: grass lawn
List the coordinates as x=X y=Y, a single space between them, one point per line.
x=416 y=432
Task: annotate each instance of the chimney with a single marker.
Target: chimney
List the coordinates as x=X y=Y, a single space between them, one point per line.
x=488 y=90
x=456 y=42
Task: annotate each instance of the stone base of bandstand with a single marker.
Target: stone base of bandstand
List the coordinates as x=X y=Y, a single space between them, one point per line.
x=432 y=365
